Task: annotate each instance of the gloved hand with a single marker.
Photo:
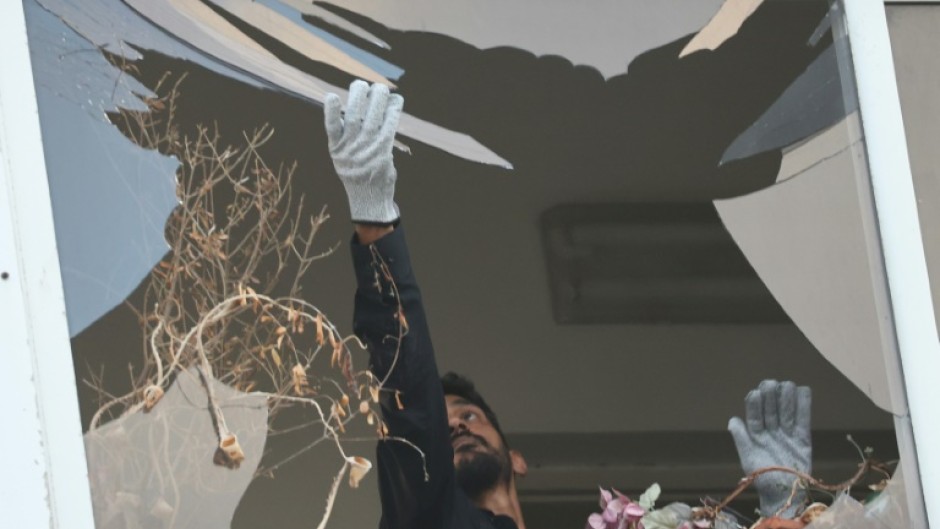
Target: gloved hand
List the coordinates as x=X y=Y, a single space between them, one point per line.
x=776 y=433
x=361 y=144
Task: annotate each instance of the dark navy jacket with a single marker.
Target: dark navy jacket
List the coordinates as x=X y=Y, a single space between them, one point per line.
x=410 y=499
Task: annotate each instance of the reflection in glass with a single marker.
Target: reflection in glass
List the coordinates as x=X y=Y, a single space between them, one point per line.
x=156 y=470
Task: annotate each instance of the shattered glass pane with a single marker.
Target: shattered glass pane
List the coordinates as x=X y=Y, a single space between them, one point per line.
x=821 y=209
x=156 y=469
x=76 y=86
x=706 y=155
x=888 y=509
x=820 y=238
x=816 y=100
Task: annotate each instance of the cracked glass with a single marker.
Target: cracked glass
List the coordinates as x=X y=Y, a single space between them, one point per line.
x=614 y=212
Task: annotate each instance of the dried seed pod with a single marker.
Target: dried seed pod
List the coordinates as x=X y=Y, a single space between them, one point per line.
x=398 y=400
x=299 y=377
x=812 y=512
x=338 y=410
x=337 y=357
x=229 y=454
x=358 y=468
x=364 y=407
x=319 y=328
x=255 y=304
x=152 y=395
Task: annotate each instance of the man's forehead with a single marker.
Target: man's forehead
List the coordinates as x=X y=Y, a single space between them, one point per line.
x=456 y=401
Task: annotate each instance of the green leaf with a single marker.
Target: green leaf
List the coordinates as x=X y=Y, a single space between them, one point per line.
x=661 y=520
x=648 y=498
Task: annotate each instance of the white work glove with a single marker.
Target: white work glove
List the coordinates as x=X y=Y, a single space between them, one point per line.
x=776 y=432
x=361 y=144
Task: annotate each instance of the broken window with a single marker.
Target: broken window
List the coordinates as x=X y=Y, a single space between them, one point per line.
x=613 y=212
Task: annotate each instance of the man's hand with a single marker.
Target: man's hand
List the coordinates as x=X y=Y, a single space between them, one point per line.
x=776 y=432
x=361 y=144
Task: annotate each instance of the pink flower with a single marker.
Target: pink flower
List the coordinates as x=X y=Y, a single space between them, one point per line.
x=606 y=496
x=621 y=496
x=596 y=521
x=616 y=512
x=633 y=511
x=612 y=513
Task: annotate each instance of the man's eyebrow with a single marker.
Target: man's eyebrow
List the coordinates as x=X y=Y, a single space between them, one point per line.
x=460 y=401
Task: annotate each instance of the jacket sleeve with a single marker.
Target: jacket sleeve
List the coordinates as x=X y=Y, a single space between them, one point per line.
x=400 y=352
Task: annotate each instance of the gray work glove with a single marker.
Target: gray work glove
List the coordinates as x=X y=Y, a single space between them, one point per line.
x=776 y=432
x=361 y=144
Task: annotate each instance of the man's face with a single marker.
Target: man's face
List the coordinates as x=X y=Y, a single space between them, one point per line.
x=481 y=460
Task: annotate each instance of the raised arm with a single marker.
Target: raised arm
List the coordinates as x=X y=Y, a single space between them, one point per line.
x=415 y=463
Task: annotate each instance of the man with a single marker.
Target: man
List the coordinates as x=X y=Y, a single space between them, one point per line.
x=485 y=466
x=460 y=442
x=462 y=474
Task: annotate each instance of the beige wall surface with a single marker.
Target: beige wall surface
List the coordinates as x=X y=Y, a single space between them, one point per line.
x=914 y=41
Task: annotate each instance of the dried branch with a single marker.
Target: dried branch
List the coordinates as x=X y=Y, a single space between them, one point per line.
x=227 y=299
x=865 y=467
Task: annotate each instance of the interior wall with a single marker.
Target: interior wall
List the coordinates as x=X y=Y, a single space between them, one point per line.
x=490 y=311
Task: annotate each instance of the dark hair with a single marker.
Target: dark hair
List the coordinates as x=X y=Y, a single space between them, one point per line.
x=462 y=387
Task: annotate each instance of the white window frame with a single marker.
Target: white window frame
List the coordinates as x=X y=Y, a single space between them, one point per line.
x=902 y=247
x=45 y=477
